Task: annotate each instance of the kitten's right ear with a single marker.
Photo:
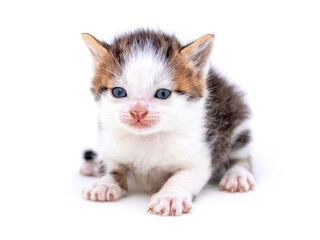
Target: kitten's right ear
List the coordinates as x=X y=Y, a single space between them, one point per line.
x=97 y=49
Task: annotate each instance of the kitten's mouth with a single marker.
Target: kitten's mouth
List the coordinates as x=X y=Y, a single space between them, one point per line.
x=139 y=124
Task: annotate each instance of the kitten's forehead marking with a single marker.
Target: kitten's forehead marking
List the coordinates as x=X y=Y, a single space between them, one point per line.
x=146 y=69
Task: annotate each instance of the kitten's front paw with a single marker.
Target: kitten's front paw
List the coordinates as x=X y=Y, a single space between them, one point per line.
x=172 y=205
x=237 y=179
x=102 y=192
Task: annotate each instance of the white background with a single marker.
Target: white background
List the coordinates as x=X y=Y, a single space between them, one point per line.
x=48 y=116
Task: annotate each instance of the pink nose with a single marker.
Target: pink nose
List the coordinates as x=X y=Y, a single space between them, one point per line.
x=139 y=110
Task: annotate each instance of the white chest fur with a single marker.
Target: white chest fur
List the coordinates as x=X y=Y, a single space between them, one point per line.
x=153 y=157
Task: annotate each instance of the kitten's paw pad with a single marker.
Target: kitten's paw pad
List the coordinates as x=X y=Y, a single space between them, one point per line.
x=167 y=205
x=102 y=192
x=237 y=179
x=89 y=168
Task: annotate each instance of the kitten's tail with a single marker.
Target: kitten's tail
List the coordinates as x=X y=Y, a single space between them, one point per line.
x=90 y=165
x=89 y=155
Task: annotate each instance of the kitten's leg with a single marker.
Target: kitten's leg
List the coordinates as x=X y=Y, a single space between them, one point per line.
x=175 y=197
x=239 y=178
x=109 y=187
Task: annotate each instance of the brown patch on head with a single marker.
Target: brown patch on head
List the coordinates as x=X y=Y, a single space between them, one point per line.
x=106 y=65
x=190 y=67
x=187 y=80
x=120 y=176
x=107 y=70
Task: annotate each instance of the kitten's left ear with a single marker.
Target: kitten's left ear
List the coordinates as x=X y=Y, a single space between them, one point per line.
x=198 y=52
x=97 y=48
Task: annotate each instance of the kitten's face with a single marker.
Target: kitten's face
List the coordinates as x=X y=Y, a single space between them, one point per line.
x=147 y=83
x=141 y=98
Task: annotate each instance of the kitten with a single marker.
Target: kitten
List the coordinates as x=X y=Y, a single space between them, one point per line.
x=168 y=118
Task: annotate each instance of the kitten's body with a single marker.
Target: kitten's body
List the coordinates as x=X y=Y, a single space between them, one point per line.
x=197 y=134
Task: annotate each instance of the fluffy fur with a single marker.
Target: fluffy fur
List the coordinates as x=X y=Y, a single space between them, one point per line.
x=199 y=133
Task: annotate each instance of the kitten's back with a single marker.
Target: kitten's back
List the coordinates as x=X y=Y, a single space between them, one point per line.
x=226 y=113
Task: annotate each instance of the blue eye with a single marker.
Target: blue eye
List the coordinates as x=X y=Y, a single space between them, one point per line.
x=163 y=93
x=119 y=92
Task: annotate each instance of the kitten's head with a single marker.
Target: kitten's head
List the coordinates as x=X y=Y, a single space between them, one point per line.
x=146 y=81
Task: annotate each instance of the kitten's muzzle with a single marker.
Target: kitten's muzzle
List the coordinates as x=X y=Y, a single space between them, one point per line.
x=139 y=111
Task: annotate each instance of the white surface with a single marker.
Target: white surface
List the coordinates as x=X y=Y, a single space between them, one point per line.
x=48 y=117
